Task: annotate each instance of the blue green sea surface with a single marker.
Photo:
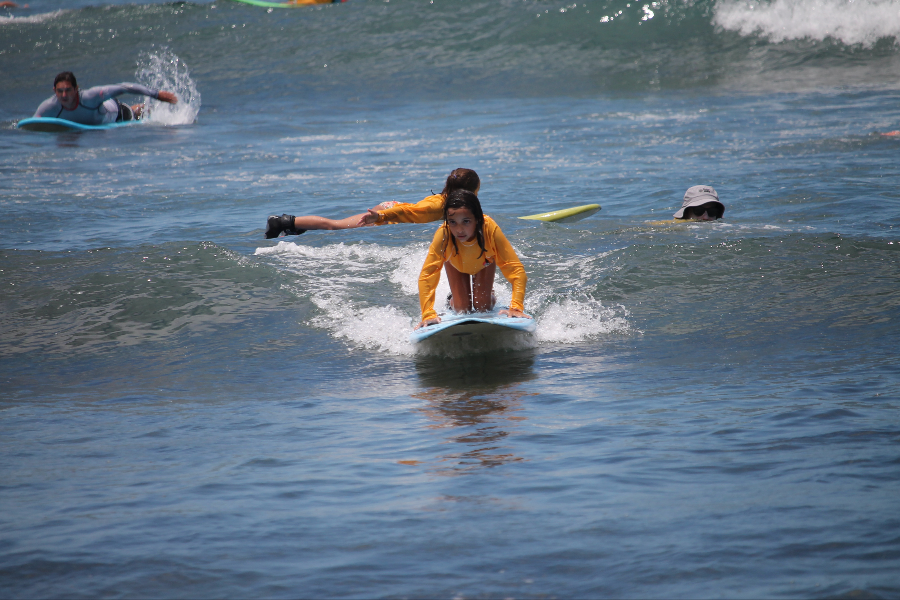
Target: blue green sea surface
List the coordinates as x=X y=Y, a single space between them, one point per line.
x=706 y=410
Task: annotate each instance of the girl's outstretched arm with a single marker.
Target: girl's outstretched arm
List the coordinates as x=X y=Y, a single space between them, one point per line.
x=509 y=264
x=429 y=278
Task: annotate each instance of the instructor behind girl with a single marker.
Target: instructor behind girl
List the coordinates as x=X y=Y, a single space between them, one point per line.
x=469 y=243
x=425 y=211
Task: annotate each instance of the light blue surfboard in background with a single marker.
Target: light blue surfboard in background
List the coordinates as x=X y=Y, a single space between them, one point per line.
x=467 y=326
x=51 y=125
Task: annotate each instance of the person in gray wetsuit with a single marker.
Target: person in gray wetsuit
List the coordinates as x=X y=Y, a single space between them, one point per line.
x=96 y=105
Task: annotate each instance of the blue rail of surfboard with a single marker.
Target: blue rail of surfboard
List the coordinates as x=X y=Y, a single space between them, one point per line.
x=492 y=318
x=71 y=125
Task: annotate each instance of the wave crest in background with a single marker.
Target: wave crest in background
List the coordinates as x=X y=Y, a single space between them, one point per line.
x=407 y=49
x=38 y=18
x=858 y=22
x=163 y=70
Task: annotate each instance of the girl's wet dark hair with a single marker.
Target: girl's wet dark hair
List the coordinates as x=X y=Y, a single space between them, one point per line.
x=461 y=179
x=67 y=76
x=465 y=199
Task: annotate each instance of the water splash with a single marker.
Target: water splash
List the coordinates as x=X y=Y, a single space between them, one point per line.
x=574 y=320
x=852 y=22
x=367 y=294
x=163 y=70
x=351 y=287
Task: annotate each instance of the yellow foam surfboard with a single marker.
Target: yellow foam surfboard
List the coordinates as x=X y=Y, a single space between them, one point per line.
x=566 y=215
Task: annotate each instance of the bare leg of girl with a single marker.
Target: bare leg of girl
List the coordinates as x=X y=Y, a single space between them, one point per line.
x=460 y=288
x=483 y=299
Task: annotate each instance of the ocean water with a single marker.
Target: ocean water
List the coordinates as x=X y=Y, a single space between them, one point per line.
x=706 y=410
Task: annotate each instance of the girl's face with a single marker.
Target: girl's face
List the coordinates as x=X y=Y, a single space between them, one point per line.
x=462 y=223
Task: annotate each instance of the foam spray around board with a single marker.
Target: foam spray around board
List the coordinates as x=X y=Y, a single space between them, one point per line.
x=163 y=70
x=367 y=295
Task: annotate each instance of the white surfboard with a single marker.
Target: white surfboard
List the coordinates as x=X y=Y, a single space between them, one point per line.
x=470 y=326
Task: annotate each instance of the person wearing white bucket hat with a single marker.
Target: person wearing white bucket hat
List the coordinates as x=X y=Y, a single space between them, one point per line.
x=701 y=203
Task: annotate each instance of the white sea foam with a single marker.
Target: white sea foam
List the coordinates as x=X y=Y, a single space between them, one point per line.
x=163 y=70
x=406 y=274
x=574 y=320
x=268 y=177
x=32 y=18
x=850 y=21
x=315 y=138
x=341 y=281
x=383 y=328
x=367 y=294
x=336 y=252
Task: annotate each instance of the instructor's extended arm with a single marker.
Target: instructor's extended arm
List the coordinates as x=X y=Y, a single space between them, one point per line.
x=429 y=278
x=427 y=210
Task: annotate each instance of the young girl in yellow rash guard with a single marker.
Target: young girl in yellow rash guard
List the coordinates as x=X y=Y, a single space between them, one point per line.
x=470 y=244
x=425 y=211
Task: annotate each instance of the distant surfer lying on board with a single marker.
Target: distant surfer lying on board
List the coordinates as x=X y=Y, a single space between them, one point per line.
x=96 y=105
x=470 y=247
x=425 y=211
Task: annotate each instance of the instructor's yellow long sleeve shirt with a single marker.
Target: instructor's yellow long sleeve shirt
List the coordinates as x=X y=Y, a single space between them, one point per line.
x=424 y=211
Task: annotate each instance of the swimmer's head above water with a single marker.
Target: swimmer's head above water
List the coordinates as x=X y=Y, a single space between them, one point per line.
x=66 y=89
x=701 y=203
